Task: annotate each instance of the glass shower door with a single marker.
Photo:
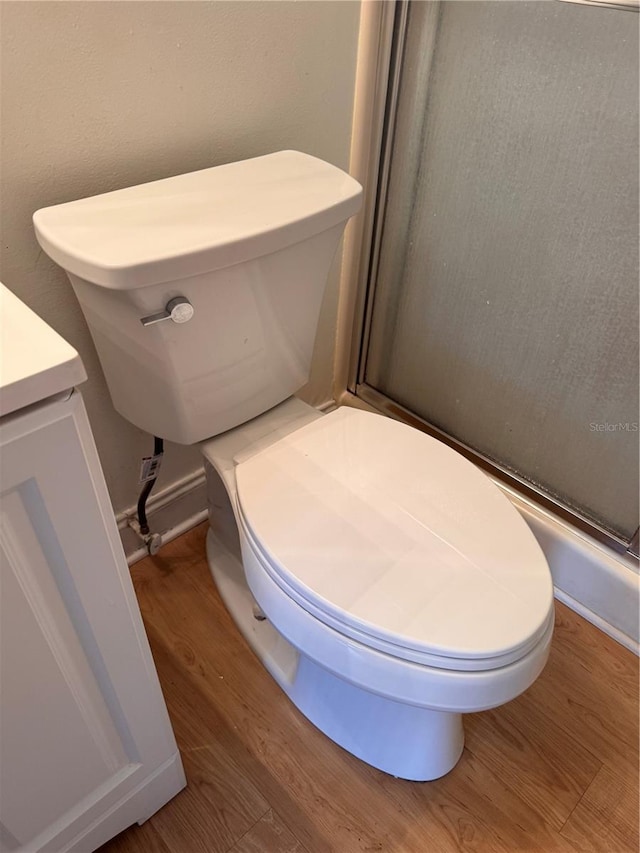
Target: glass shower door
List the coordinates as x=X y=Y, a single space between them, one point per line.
x=505 y=305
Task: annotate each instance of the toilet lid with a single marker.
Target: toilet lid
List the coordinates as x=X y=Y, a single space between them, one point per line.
x=390 y=535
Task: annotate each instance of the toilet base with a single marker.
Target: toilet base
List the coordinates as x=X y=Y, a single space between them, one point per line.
x=403 y=740
x=406 y=741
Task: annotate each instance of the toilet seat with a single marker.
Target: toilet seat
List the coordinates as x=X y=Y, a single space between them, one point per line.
x=393 y=539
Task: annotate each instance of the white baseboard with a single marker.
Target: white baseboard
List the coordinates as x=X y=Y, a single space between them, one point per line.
x=173 y=511
x=600 y=585
x=596 y=620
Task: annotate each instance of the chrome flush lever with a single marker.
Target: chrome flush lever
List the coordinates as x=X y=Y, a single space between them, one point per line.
x=178 y=309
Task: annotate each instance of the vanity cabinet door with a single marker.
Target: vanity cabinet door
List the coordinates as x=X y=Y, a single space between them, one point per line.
x=86 y=748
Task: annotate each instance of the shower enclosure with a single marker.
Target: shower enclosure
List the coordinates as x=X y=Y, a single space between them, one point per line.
x=502 y=307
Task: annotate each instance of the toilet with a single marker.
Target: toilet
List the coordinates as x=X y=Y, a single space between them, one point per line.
x=384 y=581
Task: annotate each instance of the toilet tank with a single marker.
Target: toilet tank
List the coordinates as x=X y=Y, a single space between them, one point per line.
x=249 y=245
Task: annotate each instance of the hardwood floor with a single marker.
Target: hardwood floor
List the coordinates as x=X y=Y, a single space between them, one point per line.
x=554 y=770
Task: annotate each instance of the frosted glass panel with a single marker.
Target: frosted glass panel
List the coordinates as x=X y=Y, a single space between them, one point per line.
x=506 y=304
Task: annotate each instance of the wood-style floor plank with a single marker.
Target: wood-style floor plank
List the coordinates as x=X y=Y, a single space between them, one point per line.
x=534 y=775
x=476 y=810
x=196 y=718
x=590 y=689
x=607 y=816
x=218 y=806
x=268 y=835
x=538 y=759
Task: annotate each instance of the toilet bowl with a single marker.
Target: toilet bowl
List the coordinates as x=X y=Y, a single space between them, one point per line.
x=394 y=603
x=386 y=584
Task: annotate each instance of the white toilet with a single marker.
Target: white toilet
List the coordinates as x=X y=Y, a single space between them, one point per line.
x=400 y=587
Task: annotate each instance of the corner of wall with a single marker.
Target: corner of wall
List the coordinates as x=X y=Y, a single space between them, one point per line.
x=370 y=89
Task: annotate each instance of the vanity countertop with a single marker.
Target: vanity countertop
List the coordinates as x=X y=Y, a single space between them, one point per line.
x=35 y=362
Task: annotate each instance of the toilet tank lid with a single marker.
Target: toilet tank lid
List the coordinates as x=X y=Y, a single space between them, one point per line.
x=198 y=222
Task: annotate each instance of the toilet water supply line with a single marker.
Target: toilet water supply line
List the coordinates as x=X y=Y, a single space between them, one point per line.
x=148 y=476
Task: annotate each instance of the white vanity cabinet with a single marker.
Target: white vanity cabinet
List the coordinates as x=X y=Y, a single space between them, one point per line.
x=86 y=747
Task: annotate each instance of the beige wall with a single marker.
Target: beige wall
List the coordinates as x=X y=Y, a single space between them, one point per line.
x=101 y=95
